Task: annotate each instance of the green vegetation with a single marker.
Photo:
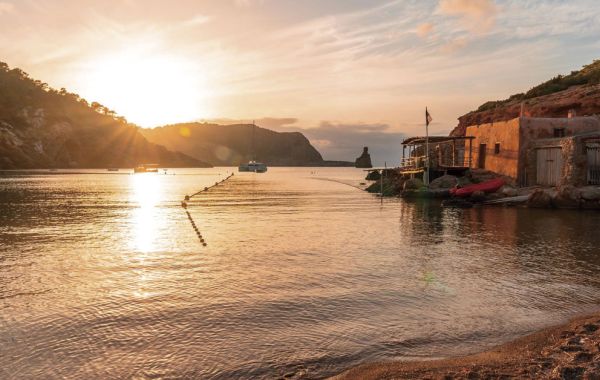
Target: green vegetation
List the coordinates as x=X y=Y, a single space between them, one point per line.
x=589 y=74
x=41 y=127
x=19 y=90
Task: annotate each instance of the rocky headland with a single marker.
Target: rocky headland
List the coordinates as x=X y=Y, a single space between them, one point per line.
x=41 y=127
x=231 y=145
x=578 y=91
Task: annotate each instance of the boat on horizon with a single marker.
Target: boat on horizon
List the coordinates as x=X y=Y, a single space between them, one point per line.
x=146 y=168
x=252 y=165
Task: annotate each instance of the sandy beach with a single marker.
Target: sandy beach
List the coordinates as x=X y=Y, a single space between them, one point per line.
x=568 y=351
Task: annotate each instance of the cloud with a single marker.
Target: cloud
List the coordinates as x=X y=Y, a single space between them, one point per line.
x=478 y=16
x=6 y=8
x=455 y=45
x=198 y=19
x=425 y=29
x=248 y=3
x=344 y=141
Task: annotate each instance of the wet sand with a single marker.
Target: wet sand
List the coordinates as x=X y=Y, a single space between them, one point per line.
x=569 y=351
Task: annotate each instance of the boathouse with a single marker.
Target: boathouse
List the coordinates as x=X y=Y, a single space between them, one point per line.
x=447 y=155
x=539 y=151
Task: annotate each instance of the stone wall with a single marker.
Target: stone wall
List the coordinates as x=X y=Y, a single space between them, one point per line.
x=574 y=156
x=539 y=132
x=505 y=133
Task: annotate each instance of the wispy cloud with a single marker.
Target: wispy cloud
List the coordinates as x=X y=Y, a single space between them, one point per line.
x=6 y=8
x=425 y=29
x=479 y=16
x=380 y=61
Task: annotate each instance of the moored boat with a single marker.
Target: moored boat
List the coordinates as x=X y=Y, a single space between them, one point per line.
x=487 y=187
x=253 y=166
x=146 y=168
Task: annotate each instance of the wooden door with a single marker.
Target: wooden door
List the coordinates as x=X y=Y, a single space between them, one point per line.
x=549 y=166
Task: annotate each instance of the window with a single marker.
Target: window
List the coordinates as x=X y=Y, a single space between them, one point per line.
x=497 y=148
x=559 y=132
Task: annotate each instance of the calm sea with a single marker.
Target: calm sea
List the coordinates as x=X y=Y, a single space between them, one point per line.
x=303 y=275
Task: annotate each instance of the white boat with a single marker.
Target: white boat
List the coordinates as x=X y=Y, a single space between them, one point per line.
x=253 y=166
x=146 y=168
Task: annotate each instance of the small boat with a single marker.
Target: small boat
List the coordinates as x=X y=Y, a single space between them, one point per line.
x=490 y=186
x=253 y=166
x=146 y=168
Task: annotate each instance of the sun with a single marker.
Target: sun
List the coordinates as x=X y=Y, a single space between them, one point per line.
x=147 y=89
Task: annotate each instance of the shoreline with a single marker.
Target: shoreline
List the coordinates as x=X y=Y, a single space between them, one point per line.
x=569 y=351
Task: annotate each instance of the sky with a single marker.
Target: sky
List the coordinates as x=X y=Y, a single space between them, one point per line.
x=346 y=73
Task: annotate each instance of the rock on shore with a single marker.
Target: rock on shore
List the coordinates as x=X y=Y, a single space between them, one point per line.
x=587 y=197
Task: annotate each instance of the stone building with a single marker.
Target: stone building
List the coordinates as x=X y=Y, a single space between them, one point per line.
x=540 y=151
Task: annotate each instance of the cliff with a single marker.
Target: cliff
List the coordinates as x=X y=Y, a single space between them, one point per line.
x=225 y=145
x=44 y=128
x=578 y=91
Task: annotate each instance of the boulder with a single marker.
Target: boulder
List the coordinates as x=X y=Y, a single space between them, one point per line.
x=539 y=199
x=444 y=182
x=477 y=196
x=413 y=184
x=590 y=193
x=567 y=197
x=508 y=191
x=373 y=176
x=590 y=205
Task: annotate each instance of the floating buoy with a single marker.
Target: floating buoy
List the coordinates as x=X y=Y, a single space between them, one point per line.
x=187 y=197
x=184 y=204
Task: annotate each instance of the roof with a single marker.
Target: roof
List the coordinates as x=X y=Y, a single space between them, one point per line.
x=434 y=139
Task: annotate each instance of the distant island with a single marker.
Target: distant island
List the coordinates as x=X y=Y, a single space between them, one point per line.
x=230 y=145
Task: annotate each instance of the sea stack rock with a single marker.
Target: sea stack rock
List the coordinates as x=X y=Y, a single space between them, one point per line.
x=364 y=161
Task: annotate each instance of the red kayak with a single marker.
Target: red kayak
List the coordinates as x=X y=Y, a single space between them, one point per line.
x=490 y=186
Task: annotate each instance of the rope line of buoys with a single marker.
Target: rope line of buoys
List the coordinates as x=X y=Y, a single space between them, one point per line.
x=198 y=233
x=187 y=198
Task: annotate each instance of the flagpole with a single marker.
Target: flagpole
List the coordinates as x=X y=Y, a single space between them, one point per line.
x=426 y=174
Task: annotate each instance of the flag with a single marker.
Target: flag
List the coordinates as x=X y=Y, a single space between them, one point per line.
x=428 y=118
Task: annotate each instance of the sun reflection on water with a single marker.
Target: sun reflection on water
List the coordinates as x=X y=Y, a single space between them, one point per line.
x=146 y=218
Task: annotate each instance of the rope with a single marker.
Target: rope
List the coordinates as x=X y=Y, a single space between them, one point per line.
x=187 y=198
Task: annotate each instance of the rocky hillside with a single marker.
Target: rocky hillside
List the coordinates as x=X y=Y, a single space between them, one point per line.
x=44 y=128
x=579 y=91
x=224 y=145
